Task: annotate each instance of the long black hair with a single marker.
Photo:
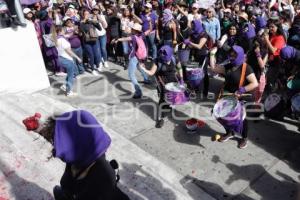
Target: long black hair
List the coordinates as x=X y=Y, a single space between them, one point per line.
x=280 y=30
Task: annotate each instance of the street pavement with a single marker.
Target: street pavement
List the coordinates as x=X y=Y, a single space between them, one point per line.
x=167 y=163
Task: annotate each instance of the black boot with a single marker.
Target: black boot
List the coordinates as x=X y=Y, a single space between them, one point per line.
x=59 y=194
x=159 y=123
x=16 y=22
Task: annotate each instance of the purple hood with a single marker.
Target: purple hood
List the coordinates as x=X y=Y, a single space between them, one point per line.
x=288 y=53
x=79 y=139
x=240 y=58
x=165 y=53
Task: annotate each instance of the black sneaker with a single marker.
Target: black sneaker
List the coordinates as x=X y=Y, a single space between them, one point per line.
x=226 y=137
x=242 y=143
x=137 y=96
x=159 y=123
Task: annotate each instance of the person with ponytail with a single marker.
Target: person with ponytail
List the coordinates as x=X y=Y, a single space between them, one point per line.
x=166 y=70
x=233 y=73
x=65 y=58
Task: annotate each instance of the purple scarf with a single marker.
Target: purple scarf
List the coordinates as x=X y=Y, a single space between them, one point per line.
x=197 y=28
x=240 y=58
x=288 y=53
x=79 y=139
x=165 y=53
x=167 y=17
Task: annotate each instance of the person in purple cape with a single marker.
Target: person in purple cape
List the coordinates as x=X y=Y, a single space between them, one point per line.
x=80 y=142
x=233 y=73
x=165 y=69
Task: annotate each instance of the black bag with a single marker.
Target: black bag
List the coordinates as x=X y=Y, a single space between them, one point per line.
x=91 y=35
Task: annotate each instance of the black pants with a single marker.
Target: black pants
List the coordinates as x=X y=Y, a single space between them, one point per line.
x=163 y=107
x=11 y=7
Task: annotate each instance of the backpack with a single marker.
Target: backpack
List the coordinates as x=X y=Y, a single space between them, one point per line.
x=141 y=51
x=91 y=35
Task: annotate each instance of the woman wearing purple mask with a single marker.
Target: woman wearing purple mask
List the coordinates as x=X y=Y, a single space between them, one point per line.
x=233 y=74
x=165 y=70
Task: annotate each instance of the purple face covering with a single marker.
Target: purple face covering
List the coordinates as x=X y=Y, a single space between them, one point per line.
x=79 y=139
x=197 y=28
x=167 y=17
x=240 y=58
x=288 y=53
x=165 y=53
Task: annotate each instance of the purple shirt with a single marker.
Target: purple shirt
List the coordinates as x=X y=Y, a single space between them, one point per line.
x=146 y=24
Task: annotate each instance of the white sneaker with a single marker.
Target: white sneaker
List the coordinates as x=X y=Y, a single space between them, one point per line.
x=60 y=74
x=63 y=88
x=106 y=64
x=100 y=65
x=94 y=72
x=101 y=69
x=71 y=94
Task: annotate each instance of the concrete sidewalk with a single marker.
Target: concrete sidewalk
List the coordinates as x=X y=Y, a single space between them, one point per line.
x=26 y=172
x=267 y=169
x=155 y=163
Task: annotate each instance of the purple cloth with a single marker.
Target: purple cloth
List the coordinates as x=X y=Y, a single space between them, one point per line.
x=165 y=53
x=197 y=28
x=146 y=24
x=288 y=53
x=261 y=23
x=250 y=31
x=79 y=139
x=28 y=2
x=167 y=17
x=240 y=58
x=234 y=120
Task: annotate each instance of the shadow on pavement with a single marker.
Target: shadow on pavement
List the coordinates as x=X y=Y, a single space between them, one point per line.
x=139 y=184
x=20 y=188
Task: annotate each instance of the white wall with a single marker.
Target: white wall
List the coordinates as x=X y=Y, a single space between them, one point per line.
x=22 y=67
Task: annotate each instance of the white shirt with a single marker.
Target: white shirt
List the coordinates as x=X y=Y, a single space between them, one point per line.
x=62 y=45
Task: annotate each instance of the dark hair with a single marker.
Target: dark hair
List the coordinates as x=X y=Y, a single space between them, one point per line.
x=277 y=23
x=48 y=130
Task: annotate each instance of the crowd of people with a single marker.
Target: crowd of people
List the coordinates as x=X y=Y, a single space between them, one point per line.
x=253 y=44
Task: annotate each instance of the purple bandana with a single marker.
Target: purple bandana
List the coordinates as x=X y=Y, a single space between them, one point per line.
x=165 y=53
x=167 y=17
x=79 y=139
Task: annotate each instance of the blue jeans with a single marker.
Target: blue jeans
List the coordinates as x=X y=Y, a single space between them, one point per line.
x=102 y=47
x=92 y=50
x=69 y=66
x=132 y=66
x=151 y=45
x=125 y=48
x=79 y=69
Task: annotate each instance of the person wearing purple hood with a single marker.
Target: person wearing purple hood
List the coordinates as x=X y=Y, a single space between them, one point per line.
x=165 y=69
x=291 y=56
x=247 y=31
x=232 y=73
x=81 y=142
x=198 y=43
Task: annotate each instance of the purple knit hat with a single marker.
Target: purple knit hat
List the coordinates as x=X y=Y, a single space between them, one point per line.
x=165 y=53
x=288 y=53
x=240 y=58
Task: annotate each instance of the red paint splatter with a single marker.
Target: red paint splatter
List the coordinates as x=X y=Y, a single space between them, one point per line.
x=3 y=198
